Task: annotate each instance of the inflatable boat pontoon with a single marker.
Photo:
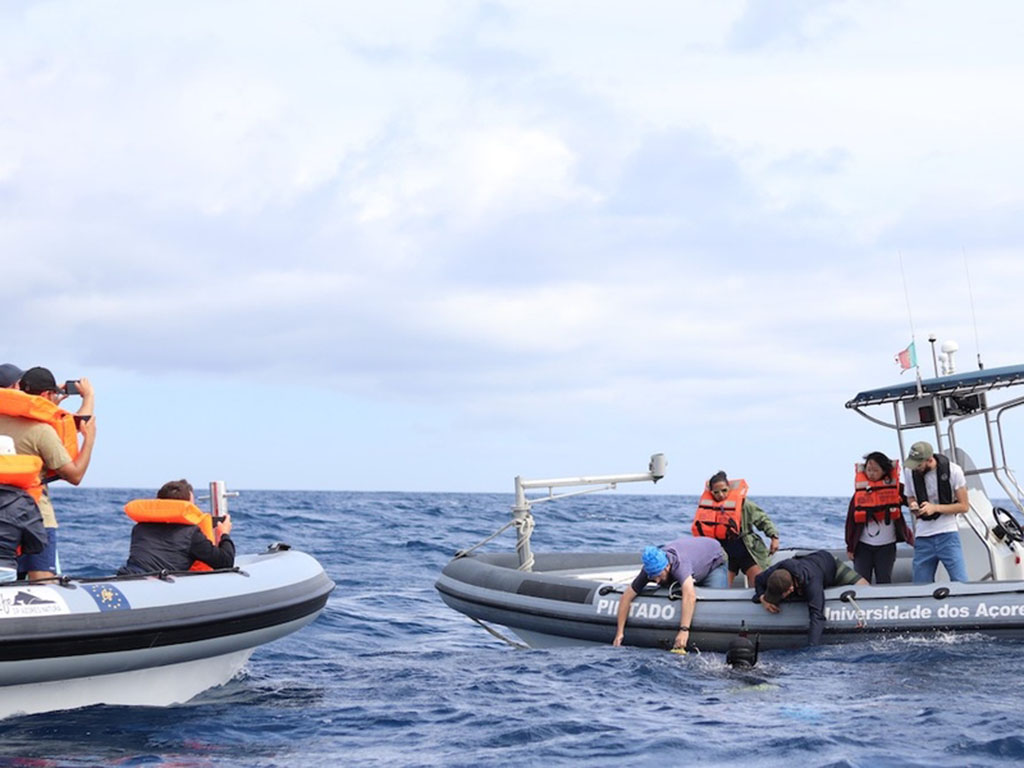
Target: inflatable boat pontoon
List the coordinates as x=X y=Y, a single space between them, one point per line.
x=572 y=598
x=153 y=639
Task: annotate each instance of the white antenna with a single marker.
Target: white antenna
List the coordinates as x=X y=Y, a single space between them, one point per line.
x=974 y=317
x=910 y=317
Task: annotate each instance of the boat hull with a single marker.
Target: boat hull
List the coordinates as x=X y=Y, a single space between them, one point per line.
x=148 y=640
x=573 y=599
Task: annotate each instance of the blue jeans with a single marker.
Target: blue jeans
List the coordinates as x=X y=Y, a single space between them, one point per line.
x=717 y=579
x=929 y=551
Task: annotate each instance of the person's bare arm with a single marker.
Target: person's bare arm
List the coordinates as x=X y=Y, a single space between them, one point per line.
x=74 y=470
x=958 y=507
x=624 y=603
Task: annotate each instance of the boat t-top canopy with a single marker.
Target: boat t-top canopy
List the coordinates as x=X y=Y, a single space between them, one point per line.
x=941 y=404
x=958 y=384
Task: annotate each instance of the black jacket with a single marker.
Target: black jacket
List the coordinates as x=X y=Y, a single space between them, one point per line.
x=20 y=525
x=174 y=547
x=813 y=573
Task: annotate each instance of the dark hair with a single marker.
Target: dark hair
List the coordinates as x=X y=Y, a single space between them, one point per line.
x=176 y=489
x=881 y=460
x=779 y=581
x=718 y=477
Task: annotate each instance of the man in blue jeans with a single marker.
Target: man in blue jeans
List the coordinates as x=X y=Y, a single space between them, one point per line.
x=689 y=561
x=936 y=493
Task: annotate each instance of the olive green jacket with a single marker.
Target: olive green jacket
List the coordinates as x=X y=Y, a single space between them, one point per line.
x=755 y=517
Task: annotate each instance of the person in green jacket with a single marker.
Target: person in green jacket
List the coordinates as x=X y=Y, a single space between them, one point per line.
x=747 y=551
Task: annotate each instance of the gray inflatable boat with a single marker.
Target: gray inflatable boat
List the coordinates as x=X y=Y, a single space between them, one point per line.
x=572 y=598
x=152 y=639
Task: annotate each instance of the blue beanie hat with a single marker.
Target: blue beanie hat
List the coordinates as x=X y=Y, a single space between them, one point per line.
x=654 y=561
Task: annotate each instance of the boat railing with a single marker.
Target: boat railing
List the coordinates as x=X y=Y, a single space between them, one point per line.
x=522 y=519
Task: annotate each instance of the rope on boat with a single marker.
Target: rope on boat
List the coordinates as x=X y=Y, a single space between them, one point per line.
x=525 y=526
x=501 y=637
x=505 y=527
x=70 y=582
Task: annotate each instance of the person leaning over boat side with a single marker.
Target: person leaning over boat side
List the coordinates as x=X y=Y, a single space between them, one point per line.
x=172 y=546
x=689 y=561
x=936 y=494
x=21 y=525
x=39 y=437
x=725 y=513
x=874 y=519
x=804 y=577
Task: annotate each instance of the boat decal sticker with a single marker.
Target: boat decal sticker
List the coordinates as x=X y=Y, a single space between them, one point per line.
x=31 y=601
x=640 y=609
x=107 y=597
x=916 y=611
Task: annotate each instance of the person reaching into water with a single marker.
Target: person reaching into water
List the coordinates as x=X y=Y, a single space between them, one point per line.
x=688 y=561
x=171 y=533
x=804 y=577
x=874 y=520
x=725 y=513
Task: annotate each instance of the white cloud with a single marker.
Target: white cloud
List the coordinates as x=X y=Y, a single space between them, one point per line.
x=686 y=217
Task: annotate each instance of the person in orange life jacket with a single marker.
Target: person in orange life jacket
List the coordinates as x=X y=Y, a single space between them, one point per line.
x=936 y=494
x=36 y=438
x=871 y=535
x=21 y=525
x=745 y=548
x=176 y=546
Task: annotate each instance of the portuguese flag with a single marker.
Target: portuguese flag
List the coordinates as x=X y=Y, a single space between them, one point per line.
x=907 y=359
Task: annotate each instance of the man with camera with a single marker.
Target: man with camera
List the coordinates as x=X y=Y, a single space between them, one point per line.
x=40 y=428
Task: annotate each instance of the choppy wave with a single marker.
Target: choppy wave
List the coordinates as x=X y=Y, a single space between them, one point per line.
x=390 y=676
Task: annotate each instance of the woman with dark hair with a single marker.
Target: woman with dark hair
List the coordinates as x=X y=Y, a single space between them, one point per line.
x=725 y=513
x=874 y=520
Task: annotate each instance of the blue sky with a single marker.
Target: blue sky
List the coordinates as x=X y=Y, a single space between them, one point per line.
x=430 y=246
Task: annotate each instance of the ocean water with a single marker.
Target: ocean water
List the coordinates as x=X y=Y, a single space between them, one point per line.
x=389 y=675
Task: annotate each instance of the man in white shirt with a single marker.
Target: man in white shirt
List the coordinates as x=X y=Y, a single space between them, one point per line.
x=936 y=493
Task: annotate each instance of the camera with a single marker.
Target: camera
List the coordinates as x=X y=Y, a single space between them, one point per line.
x=71 y=387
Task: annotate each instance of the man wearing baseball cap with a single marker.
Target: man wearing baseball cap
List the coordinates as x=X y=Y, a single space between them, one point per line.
x=34 y=437
x=10 y=375
x=689 y=561
x=936 y=494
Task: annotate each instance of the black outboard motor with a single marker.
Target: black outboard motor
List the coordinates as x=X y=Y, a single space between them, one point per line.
x=742 y=653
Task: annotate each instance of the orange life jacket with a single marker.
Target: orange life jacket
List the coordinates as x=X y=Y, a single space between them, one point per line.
x=173 y=511
x=721 y=520
x=22 y=472
x=876 y=499
x=37 y=408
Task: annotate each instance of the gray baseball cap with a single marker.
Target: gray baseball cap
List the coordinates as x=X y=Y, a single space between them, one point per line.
x=919 y=454
x=9 y=373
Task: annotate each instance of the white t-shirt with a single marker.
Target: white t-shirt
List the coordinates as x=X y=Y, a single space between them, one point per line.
x=944 y=523
x=878 y=534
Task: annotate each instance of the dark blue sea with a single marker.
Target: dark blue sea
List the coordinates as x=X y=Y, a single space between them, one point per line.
x=389 y=676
